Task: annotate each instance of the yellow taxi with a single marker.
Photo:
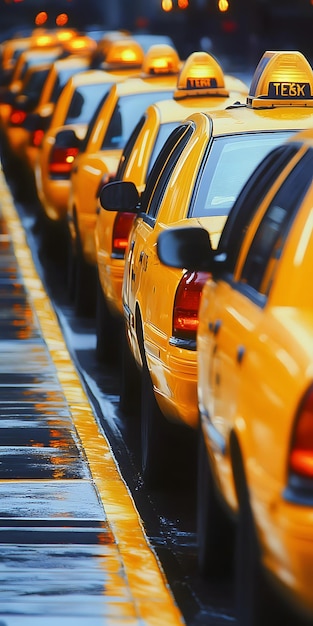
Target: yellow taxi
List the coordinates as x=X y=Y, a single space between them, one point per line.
x=37 y=121
x=9 y=52
x=201 y=84
x=255 y=382
x=108 y=133
x=19 y=55
x=28 y=58
x=195 y=180
x=21 y=104
x=38 y=39
x=73 y=111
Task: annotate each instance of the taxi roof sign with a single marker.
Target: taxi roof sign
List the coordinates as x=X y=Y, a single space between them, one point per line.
x=124 y=52
x=161 y=59
x=201 y=75
x=282 y=78
x=80 y=44
x=42 y=39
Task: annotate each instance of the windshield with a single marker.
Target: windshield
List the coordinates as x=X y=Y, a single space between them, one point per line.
x=61 y=79
x=231 y=161
x=126 y=115
x=35 y=82
x=85 y=101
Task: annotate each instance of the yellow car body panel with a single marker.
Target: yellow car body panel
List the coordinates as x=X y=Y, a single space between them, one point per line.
x=17 y=136
x=54 y=192
x=28 y=59
x=162 y=113
x=257 y=398
x=72 y=64
x=149 y=288
x=88 y=167
x=31 y=57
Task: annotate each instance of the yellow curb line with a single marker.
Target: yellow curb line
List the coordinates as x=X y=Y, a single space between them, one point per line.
x=152 y=596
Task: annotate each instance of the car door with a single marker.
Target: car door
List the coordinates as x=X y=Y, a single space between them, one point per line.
x=141 y=252
x=238 y=340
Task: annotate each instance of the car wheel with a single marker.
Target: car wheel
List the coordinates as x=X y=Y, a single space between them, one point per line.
x=154 y=437
x=130 y=379
x=257 y=602
x=108 y=329
x=85 y=285
x=71 y=268
x=215 y=530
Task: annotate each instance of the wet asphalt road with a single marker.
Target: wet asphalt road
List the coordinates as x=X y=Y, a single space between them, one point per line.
x=169 y=517
x=73 y=549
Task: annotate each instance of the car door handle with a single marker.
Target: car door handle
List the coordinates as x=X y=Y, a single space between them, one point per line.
x=240 y=353
x=143 y=259
x=214 y=326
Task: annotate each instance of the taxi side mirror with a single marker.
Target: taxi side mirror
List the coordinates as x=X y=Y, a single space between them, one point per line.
x=120 y=196
x=186 y=248
x=26 y=102
x=66 y=138
x=6 y=96
x=35 y=121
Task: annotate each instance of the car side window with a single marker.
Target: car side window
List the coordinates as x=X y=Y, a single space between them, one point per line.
x=249 y=200
x=128 y=149
x=266 y=247
x=162 y=169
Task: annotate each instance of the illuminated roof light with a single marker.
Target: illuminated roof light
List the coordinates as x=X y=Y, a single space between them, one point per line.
x=124 y=52
x=281 y=79
x=201 y=75
x=65 y=34
x=161 y=59
x=80 y=44
x=43 y=40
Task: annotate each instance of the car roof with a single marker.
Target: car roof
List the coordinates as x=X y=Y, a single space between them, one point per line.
x=239 y=119
x=304 y=136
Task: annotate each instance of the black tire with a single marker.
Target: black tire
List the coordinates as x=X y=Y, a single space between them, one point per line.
x=215 y=530
x=71 y=268
x=130 y=379
x=257 y=603
x=85 y=285
x=53 y=240
x=108 y=330
x=155 y=437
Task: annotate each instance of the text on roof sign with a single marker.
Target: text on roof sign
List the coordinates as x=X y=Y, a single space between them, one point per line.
x=289 y=90
x=201 y=83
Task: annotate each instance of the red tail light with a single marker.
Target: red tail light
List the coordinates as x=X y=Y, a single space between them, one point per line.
x=186 y=305
x=61 y=160
x=37 y=138
x=122 y=225
x=17 y=117
x=301 y=453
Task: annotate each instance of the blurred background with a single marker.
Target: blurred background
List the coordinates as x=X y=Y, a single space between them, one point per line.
x=236 y=31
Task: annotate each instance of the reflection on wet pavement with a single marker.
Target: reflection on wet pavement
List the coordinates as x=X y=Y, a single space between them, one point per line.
x=65 y=557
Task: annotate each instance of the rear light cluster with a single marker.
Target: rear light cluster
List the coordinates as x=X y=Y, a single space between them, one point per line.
x=122 y=225
x=61 y=160
x=186 y=305
x=17 y=117
x=37 y=138
x=301 y=452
